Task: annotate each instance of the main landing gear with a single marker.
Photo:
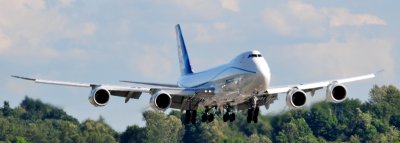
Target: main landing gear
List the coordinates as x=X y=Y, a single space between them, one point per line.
x=253 y=111
x=229 y=115
x=207 y=116
x=190 y=116
x=252 y=114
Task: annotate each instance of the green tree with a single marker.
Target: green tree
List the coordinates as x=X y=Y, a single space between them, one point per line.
x=133 y=134
x=365 y=130
x=263 y=127
x=97 y=131
x=354 y=139
x=20 y=139
x=6 y=109
x=296 y=131
x=350 y=121
x=384 y=102
x=37 y=110
x=323 y=122
x=256 y=138
x=162 y=128
x=395 y=121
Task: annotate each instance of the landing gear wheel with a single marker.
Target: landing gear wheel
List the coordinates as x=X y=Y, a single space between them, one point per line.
x=225 y=117
x=193 y=116
x=232 y=117
x=252 y=114
x=204 y=117
x=249 y=115
x=187 y=117
x=210 y=117
x=256 y=112
x=255 y=119
x=190 y=116
x=207 y=116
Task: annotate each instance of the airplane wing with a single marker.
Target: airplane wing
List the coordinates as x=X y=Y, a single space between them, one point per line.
x=178 y=94
x=269 y=96
x=151 y=84
x=311 y=87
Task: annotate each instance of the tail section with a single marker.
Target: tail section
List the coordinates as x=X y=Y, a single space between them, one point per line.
x=184 y=62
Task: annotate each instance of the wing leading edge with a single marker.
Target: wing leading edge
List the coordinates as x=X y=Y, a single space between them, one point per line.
x=63 y=83
x=178 y=94
x=319 y=85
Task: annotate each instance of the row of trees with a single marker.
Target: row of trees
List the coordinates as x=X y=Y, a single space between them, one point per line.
x=377 y=120
x=34 y=121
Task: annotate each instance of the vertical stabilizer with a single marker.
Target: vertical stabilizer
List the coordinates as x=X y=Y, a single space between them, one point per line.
x=184 y=62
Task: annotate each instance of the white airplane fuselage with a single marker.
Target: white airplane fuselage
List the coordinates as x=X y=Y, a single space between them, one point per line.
x=234 y=82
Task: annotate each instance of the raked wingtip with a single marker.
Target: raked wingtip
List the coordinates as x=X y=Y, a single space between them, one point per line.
x=380 y=71
x=20 y=77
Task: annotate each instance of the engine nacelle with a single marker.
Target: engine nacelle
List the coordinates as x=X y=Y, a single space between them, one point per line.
x=160 y=101
x=99 y=97
x=336 y=92
x=296 y=98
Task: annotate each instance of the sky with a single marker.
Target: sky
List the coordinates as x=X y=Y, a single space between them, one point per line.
x=101 y=41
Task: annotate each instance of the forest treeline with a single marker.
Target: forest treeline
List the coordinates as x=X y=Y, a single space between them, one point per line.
x=376 y=120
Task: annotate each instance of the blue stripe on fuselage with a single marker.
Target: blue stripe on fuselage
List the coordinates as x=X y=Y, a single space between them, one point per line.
x=213 y=78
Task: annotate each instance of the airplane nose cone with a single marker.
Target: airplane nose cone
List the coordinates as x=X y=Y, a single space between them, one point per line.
x=264 y=73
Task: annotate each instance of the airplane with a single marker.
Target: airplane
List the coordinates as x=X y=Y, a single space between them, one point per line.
x=241 y=84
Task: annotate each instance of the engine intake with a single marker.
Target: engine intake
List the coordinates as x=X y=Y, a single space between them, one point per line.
x=160 y=101
x=99 y=97
x=296 y=98
x=336 y=93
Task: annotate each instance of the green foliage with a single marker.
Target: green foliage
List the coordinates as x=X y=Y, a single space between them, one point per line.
x=296 y=130
x=384 y=102
x=34 y=121
x=377 y=120
x=37 y=110
x=256 y=138
x=133 y=134
x=162 y=128
x=97 y=131
x=323 y=121
x=19 y=139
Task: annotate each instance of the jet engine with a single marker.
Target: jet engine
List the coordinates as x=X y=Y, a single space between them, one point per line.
x=160 y=101
x=336 y=93
x=296 y=98
x=99 y=96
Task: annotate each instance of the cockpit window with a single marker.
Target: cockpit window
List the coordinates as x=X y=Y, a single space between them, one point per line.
x=254 y=55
